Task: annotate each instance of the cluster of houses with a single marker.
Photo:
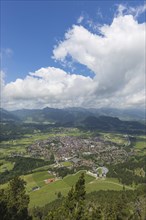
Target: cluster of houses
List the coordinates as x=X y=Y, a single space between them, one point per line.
x=78 y=150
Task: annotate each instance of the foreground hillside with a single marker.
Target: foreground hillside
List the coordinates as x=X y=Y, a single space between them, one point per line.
x=42 y=192
x=49 y=192
x=102 y=205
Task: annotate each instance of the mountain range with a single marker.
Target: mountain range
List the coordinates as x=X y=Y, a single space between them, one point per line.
x=53 y=115
x=91 y=119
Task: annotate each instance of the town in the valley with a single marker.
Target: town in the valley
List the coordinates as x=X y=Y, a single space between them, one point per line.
x=88 y=152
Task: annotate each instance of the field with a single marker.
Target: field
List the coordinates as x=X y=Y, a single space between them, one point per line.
x=72 y=179
x=5 y=165
x=48 y=192
x=66 y=164
x=36 y=179
x=140 y=145
x=115 y=138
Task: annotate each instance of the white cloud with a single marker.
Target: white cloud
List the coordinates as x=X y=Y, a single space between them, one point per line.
x=135 y=11
x=2 y=77
x=93 y=25
x=121 y=9
x=80 y=19
x=2 y=84
x=49 y=86
x=116 y=56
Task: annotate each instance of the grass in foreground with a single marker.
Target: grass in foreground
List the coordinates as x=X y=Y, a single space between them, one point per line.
x=49 y=192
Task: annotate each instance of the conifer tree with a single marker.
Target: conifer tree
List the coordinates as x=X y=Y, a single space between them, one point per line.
x=70 y=202
x=80 y=188
x=16 y=201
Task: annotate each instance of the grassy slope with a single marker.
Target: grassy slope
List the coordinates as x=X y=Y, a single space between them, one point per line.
x=6 y=165
x=115 y=138
x=48 y=193
x=72 y=179
x=140 y=145
x=36 y=179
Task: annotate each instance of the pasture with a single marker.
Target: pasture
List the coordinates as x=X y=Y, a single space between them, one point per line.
x=66 y=163
x=115 y=138
x=72 y=179
x=36 y=179
x=48 y=192
x=140 y=145
x=6 y=165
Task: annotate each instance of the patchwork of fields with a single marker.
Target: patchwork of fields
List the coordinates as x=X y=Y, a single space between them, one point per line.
x=48 y=192
x=41 y=193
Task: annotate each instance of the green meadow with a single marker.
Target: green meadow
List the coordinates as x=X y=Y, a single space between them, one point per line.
x=140 y=145
x=115 y=138
x=72 y=179
x=36 y=179
x=48 y=192
x=66 y=164
x=5 y=165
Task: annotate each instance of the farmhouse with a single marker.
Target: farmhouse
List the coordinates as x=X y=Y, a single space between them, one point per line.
x=51 y=180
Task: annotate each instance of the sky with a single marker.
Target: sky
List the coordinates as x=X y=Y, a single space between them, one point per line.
x=62 y=54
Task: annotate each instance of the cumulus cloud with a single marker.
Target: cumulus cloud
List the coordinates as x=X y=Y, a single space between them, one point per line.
x=50 y=86
x=116 y=55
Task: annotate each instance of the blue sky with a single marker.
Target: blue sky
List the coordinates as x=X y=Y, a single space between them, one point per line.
x=31 y=29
